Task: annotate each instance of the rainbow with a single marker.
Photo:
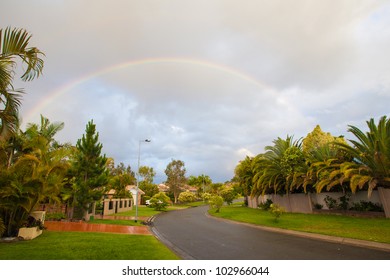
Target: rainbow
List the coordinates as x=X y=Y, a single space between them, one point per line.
x=148 y=61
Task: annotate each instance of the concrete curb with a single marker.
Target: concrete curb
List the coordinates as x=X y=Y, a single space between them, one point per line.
x=180 y=253
x=333 y=239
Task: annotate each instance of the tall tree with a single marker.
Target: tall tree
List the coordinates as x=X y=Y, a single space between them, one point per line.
x=202 y=182
x=146 y=185
x=244 y=176
x=120 y=177
x=89 y=168
x=175 y=172
x=14 y=43
x=147 y=173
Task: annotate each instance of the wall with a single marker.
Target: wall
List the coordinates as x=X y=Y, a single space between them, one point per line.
x=304 y=203
x=384 y=195
x=116 y=206
x=299 y=203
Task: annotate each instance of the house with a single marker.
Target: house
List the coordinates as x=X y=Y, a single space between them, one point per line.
x=112 y=204
x=133 y=190
x=163 y=188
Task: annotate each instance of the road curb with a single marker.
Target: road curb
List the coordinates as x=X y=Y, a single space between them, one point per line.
x=333 y=239
x=180 y=253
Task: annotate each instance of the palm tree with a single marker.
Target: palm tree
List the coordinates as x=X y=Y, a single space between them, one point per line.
x=244 y=176
x=370 y=166
x=45 y=129
x=14 y=43
x=36 y=175
x=323 y=168
x=275 y=169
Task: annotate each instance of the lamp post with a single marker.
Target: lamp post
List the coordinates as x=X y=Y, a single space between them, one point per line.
x=136 y=190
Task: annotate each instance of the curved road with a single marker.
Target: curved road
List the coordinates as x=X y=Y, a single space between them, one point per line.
x=194 y=235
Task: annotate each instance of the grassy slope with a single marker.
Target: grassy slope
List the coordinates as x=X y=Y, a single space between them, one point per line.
x=52 y=245
x=372 y=229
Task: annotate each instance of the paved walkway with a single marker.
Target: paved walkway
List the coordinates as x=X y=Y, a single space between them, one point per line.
x=85 y=227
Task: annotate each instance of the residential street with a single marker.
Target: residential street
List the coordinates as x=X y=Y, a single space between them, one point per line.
x=194 y=235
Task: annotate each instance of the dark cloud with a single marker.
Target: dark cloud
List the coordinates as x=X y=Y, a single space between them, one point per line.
x=242 y=74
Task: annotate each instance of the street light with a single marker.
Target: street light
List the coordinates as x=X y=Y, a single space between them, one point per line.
x=136 y=190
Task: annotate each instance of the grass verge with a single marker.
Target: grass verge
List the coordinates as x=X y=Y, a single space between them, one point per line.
x=54 y=245
x=144 y=211
x=370 y=229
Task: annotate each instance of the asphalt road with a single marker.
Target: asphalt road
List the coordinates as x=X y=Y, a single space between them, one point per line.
x=194 y=235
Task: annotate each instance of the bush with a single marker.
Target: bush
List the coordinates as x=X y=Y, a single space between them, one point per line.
x=206 y=196
x=318 y=206
x=265 y=205
x=330 y=202
x=32 y=222
x=344 y=201
x=159 y=201
x=365 y=206
x=186 y=197
x=145 y=198
x=57 y=216
x=228 y=195
x=216 y=202
x=276 y=211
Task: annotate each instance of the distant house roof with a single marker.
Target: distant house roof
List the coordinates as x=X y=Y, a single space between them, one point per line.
x=111 y=192
x=129 y=188
x=133 y=189
x=163 y=188
x=189 y=188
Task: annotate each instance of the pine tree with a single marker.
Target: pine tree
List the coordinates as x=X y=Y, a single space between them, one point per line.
x=89 y=168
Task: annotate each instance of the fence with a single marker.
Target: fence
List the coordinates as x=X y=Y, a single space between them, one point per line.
x=116 y=205
x=304 y=203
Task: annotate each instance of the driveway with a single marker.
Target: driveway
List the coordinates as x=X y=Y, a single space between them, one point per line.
x=192 y=234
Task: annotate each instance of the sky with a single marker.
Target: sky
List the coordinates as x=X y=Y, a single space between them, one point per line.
x=209 y=82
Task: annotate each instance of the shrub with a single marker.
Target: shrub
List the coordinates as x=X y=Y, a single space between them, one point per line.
x=265 y=205
x=57 y=216
x=145 y=198
x=344 y=201
x=228 y=195
x=186 y=197
x=366 y=206
x=32 y=222
x=206 y=196
x=276 y=211
x=216 y=202
x=330 y=202
x=159 y=201
x=318 y=206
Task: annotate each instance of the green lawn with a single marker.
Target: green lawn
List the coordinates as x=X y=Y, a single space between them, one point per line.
x=371 y=229
x=54 y=245
x=143 y=211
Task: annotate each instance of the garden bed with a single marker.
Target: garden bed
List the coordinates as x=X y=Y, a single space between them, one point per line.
x=363 y=214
